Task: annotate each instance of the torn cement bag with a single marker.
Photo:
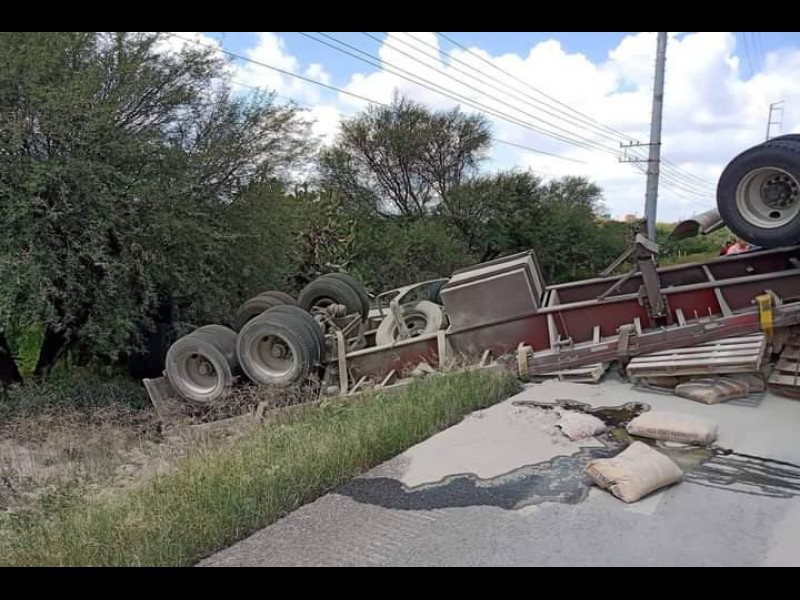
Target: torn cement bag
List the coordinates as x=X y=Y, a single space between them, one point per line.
x=755 y=382
x=674 y=427
x=713 y=390
x=634 y=473
x=577 y=426
x=664 y=381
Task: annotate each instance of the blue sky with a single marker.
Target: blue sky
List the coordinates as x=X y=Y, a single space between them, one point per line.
x=595 y=45
x=719 y=87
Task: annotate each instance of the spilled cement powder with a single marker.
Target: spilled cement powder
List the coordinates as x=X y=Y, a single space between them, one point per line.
x=492 y=440
x=489 y=443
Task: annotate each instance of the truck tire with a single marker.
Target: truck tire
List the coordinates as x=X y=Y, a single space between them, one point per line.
x=758 y=194
x=258 y=304
x=309 y=324
x=789 y=137
x=201 y=366
x=325 y=291
x=424 y=317
x=356 y=285
x=277 y=349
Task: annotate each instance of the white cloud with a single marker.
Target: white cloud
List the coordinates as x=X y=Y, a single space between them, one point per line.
x=271 y=50
x=713 y=107
x=175 y=41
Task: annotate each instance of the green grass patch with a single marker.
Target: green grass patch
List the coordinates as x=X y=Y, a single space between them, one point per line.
x=220 y=495
x=25 y=342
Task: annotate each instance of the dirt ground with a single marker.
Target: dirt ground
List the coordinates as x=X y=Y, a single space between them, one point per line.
x=62 y=455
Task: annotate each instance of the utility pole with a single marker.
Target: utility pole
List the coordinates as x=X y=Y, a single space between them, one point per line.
x=654 y=154
x=775 y=107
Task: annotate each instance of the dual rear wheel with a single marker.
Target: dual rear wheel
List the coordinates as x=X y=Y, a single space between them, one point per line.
x=278 y=343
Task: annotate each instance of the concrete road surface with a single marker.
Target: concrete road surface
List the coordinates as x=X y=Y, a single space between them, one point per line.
x=505 y=487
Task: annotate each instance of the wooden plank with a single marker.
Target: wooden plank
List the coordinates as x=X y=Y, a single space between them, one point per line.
x=357 y=385
x=793 y=381
x=341 y=349
x=388 y=379
x=161 y=392
x=742 y=354
x=752 y=349
x=552 y=330
x=714 y=360
x=441 y=344
x=584 y=374
x=791 y=352
x=787 y=366
x=697 y=356
x=593 y=376
x=750 y=343
x=693 y=370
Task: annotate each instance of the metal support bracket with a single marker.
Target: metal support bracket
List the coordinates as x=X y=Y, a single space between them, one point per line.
x=397 y=313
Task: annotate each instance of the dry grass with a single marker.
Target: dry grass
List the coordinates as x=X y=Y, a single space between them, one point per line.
x=55 y=453
x=220 y=493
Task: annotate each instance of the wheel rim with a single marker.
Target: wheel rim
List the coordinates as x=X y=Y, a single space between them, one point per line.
x=415 y=323
x=323 y=302
x=272 y=356
x=199 y=374
x=768 y=197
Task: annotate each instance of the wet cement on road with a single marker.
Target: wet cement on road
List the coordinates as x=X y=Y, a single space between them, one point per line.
x=561 y=479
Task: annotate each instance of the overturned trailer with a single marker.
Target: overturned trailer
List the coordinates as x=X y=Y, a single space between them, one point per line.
x=505 y=307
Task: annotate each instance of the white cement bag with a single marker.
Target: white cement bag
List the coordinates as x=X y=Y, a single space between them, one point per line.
x=634 y=473
x=713 y=391
x=674 y=427
x=578 y=426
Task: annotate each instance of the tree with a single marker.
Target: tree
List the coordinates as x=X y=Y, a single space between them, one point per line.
x=123 y=168
x=390 y=252
x=514 y=211
x=403 y=158
x=323 y=237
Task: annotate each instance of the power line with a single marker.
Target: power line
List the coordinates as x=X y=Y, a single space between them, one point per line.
x=743 y=37
x=442 y=72
x=675 y=189
x=688 y=176
x=677 y=171
x=526 y=98
x=535 y=89
x=271 y=67
x=690 y=181
x=406 y=75
x=586 y=118
x=360 y=97
x=758 y=49
x=341 y=91
x=436 y=88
